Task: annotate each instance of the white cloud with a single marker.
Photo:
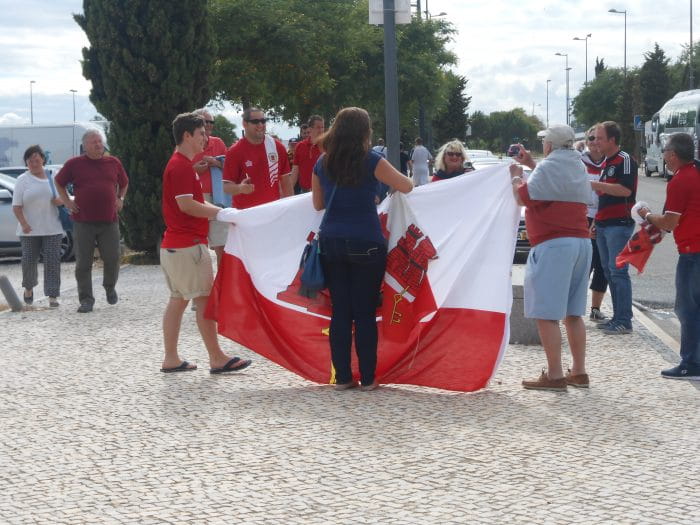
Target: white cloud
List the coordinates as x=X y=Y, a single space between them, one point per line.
x=9 y=119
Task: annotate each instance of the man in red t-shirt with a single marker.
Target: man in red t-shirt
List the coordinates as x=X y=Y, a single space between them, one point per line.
x=682 y=215
x=202 y=162
x=99 y=186
x=306 y=153
x=556 y=195
x=256 y=170
x=184 y=256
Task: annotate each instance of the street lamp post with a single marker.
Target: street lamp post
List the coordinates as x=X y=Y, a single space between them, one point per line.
x=566 y=57
x=622 y=12
x=73 y=91
x=586 y=42
x=31 y=101
x=548 y=81
x=691 y=75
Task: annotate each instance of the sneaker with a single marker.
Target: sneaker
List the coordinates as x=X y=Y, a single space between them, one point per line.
x=691 y=373
x=545 y=383
x=616 y=329
x=370 y=387
x=84 y=308
x=603 y=325
x=112 y=296
x=53 y=302
x=578 y=380
x=597 y=316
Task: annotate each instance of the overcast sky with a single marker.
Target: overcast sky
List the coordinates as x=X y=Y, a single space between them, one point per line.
x=506 y=48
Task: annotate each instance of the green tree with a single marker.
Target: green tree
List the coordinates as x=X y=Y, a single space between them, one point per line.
x=502 y=128
x=451 y=122
x=317 y=57
x=680 y=71
x=628 y=104
x=654 y=81
x=148 y=60
x=597 y=101
x=225 y=130
x=599 y=66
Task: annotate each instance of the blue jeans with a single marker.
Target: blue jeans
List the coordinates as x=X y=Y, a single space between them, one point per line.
x=611 y=241
x=688 y=306
x=354 y=271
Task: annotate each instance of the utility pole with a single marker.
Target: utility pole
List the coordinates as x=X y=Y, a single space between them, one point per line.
x=391 y=88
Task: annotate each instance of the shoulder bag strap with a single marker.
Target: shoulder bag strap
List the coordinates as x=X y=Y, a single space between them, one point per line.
x=328 y=207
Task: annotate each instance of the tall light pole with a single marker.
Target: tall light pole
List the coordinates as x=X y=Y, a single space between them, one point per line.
x=548 y=81
x=566 y=57
x=691 y=75
x=622 y=12
x=586 y=42
x=73 y=91
x=31 y=101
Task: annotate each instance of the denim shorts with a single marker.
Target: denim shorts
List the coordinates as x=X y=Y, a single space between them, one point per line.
x=556 y=278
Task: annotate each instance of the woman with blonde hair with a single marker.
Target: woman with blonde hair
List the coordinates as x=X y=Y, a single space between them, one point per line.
x=451 y=160
x=353 y=248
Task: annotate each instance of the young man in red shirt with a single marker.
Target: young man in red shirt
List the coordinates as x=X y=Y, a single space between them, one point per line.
x=184 y=256
x=256 y=169
x=306 y=153
x=682 y=215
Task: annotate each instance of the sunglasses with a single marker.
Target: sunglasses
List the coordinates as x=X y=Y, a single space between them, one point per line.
x=210 y=122
x=453 y=153
x=256 y=120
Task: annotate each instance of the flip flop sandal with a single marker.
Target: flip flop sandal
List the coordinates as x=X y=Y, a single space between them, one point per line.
x=184 y=367
x=231 y=366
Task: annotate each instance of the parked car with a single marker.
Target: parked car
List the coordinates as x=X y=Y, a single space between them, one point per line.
x=9 y=242
x=16 y=171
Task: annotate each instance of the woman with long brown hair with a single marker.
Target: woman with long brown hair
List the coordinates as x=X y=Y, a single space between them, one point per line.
x=353 y=248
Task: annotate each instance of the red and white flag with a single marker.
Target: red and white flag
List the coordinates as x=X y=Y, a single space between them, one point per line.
x=447 y=292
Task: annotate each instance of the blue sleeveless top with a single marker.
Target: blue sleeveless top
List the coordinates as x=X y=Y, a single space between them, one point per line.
x=353 y=212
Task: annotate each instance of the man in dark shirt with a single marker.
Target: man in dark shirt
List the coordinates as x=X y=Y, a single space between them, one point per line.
x=614 y=226
x=99 y=185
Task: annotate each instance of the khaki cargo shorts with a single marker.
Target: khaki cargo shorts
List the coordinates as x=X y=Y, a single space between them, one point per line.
x=188 y=271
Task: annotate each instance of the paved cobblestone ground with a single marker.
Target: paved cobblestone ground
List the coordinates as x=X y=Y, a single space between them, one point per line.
x=91 y=432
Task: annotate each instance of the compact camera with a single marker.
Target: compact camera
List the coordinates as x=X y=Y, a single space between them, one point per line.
x=513 y=150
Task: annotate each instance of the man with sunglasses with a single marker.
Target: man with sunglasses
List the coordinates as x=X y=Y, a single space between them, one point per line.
x=614 y=225
x=256 y=169
x=202 y=162
x=682 y=215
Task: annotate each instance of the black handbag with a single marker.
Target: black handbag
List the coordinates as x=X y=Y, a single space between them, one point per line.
x=312 y=278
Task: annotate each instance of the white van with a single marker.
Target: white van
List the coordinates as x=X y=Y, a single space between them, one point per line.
x=678 y=115
x=60 y=142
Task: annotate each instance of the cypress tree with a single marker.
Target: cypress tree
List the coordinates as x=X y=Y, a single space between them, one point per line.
x=654 y=81
x=452 y=122
x=148 y=60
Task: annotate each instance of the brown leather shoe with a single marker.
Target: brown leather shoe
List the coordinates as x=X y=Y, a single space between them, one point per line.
x=346 y=386
x=545 y=383
x=579 y=380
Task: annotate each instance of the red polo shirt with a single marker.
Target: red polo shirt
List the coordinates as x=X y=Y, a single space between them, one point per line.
x=683 y=197
x=545 y=220
x=182 y=230
x=305 y=156
x=95 y=183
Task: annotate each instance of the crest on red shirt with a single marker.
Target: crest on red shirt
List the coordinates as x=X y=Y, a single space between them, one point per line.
x=272 y=157
x=248 y=163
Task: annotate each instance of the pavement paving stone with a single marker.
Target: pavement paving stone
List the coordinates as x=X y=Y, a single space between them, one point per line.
x=93 y=433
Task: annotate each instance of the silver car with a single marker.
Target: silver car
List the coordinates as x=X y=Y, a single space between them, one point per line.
x=9 y=242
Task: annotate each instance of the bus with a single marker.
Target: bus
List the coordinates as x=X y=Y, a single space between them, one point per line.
x=678 y=115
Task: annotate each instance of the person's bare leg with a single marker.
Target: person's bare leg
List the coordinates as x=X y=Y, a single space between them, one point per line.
x=172 y=318
x=219 y=251
x=550 y=335
x=576 y=334
x=597 y=299
x=207 y=329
